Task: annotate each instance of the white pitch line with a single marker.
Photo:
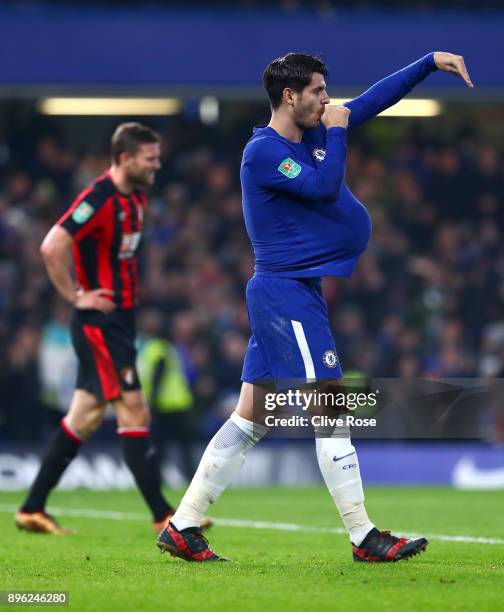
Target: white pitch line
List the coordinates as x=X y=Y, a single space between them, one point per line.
x=245 y=524
x=341 y=531
x=83 y=513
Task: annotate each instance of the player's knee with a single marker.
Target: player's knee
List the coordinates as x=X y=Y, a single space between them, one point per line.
x=141 y=416
x=85 y=423
x=95 y=420
x=133 y=414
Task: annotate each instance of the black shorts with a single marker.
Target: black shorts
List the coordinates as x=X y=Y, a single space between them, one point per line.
x=105 y=347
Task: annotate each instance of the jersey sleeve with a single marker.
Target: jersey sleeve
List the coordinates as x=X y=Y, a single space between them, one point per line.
x=389 y=91
x=270 y=164
x=81 y=217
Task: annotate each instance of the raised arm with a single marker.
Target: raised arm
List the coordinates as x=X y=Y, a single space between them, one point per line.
x=395 y=87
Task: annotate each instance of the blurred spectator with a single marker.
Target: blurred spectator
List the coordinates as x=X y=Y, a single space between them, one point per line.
x=22 y=410
x=57 y=360
x=167 y=390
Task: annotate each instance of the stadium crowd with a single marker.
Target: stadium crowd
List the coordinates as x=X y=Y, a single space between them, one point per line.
x=426 y=299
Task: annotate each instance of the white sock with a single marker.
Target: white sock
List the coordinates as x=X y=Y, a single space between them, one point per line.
x=338 y=463
x=220 y=463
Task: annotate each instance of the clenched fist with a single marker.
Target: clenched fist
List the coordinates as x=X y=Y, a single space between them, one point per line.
x=336 y=116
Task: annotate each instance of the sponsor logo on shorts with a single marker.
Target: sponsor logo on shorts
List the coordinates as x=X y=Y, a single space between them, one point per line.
x=349 y=466
x=82 y=213
x=289 y=168
x=330 y=359
x=319 y=154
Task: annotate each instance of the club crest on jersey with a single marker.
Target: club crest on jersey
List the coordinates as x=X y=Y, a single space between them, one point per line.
x=319 y=154
x=330 y=359
x=289 y=168
x=128 y=375
x=82 y=213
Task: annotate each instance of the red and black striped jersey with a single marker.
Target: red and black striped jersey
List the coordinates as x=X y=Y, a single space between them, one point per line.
x=106 y=226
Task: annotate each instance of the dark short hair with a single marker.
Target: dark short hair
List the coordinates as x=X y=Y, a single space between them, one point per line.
x=294 y=70
x=128 y=138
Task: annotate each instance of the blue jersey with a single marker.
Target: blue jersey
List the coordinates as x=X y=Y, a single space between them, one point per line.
x=302 y=219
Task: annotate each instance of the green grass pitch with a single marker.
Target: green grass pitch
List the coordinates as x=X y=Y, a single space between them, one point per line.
x=115 y=565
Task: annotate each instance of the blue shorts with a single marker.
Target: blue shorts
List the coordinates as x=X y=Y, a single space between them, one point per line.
x=291 y=340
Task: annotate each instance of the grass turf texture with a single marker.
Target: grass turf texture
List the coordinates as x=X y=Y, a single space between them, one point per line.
x=113 y=565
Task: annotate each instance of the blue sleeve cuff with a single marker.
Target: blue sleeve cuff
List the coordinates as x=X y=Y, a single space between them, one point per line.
x=336 y=131
x=431 y=61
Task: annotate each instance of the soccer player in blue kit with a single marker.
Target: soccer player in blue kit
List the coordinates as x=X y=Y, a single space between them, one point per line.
x=304 y=223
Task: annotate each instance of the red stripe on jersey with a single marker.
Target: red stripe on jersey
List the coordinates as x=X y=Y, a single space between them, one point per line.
x=104 y=264
x=138 y=200
x=100 y=227
x=80 y=270
x=134 y=272
x=141 y=200
x=124 y=263
x=109 y=380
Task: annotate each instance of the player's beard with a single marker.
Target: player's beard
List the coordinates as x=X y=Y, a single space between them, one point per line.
x=307 y=118
x=141 y=180
x=308 y=124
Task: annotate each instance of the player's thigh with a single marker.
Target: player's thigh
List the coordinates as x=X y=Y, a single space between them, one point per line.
x=119 y=335
x=290 y=323
x=86 y=412
x=255 y=365
x=131 y=409
x=105 y=346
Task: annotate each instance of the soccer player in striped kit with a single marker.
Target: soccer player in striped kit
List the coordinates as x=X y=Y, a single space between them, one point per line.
x=101 y=231
x=304 y=223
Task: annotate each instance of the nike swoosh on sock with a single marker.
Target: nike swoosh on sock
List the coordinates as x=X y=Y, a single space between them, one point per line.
x=339 y=458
